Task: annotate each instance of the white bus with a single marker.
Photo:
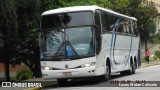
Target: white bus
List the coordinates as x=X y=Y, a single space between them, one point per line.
x=87 y=41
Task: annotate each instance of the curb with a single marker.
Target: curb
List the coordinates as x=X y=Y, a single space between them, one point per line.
x=33 y=89
x=40 y=88
x=150 y=64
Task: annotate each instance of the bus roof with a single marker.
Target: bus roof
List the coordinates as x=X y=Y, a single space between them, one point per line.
x=83 y=8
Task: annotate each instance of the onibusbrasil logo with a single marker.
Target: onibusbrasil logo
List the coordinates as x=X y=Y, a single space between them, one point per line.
x=21 y=84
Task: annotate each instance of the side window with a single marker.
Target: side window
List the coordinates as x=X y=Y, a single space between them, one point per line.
x=124 y=26
x=97 y=19
x=98 y=41
x=127 y=26
x=104 y=21
x=111 y=21
x=131 y=28
x=134 y=24
x=98 y=32
x=120 y=28
x=108 y=21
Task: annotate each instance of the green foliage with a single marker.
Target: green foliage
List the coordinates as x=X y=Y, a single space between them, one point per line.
x=156 y=38
x=13 y=79
x=24 y=74
x=146 y=21
x=120 y=5
x=157 y=53
x=101 y=3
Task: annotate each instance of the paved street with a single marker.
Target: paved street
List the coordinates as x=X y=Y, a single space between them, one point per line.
x=148 y=74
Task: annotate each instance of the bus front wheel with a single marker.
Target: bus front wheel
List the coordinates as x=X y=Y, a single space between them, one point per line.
x=107 y=75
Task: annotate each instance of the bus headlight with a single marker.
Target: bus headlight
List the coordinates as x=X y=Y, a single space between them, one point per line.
x=88 y=64
x=47 y=68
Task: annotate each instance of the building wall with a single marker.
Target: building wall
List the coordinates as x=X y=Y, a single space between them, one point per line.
x=156 y=3
x=12 y=69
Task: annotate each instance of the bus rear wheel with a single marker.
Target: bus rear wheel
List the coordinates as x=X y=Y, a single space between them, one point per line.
x=62 y=82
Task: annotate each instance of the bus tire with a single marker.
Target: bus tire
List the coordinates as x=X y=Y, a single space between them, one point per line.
x=132 y=69
x=107 y=75
x=62 y=82
x=135 y=62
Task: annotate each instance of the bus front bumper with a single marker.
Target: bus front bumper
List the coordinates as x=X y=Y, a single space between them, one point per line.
x=69 y=73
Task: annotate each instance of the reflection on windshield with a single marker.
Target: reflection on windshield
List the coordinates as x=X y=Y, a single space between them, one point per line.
x=54 y=40
x=81 y=39
x=68 y=43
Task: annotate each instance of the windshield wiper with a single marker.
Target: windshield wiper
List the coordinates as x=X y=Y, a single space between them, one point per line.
x=62 y=51
x=58 y=51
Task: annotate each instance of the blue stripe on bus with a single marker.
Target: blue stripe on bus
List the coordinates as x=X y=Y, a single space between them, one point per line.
x=113 y=33
x=129 y=51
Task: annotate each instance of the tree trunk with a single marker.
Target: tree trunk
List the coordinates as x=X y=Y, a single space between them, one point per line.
x=37 y=67
x=7 y=73
x=146 y=40
x=34 y=63
x=6 y=51
x=6 y=61
x=146 y=46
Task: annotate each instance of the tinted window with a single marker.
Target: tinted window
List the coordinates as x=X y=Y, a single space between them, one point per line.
x=125 y=26
x=134 y=24
x=97 y=19
x=108 y=21
x=67 y=19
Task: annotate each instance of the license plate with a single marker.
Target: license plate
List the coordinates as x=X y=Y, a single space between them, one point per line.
x=67 y=73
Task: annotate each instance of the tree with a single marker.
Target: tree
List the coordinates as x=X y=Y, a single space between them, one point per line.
x=27 y=51
x=101 y=3
x=120 y=6
x=145 y=15
x=7 y=25
x=19 y=20
x=146 y=22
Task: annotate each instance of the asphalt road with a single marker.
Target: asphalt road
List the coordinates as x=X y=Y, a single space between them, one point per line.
x=151 y=73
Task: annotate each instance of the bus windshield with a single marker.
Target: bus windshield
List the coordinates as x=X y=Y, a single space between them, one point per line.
x=73 y=42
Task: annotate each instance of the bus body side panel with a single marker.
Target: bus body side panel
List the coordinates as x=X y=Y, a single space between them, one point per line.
x=120 y=53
